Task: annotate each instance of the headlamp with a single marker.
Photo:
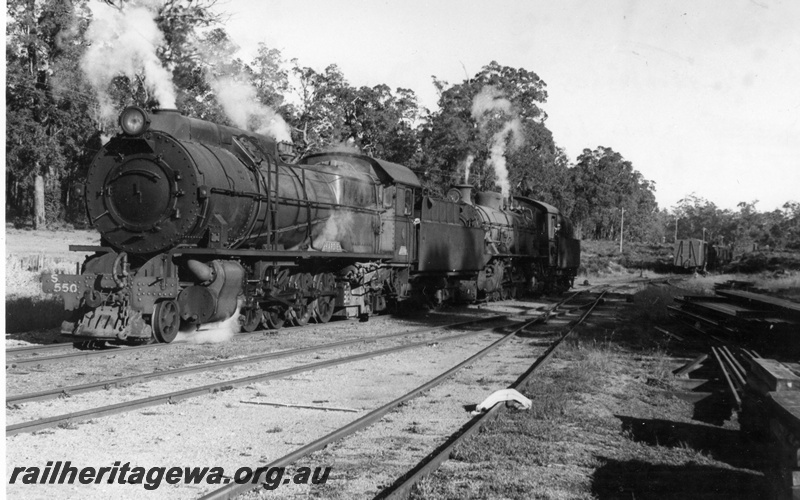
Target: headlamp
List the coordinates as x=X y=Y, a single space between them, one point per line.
x=134 y=121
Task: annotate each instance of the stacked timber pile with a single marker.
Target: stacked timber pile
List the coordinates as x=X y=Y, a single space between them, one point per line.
x=771 y=412
x=761 y=321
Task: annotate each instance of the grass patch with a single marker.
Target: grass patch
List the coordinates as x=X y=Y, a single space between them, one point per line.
x=649 y=306
x=601 y=426
x=771 y=260
x=38 y=263
x=599 y=258
x=603 y=258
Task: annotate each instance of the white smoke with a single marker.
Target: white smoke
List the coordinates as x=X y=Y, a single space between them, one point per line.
x=337 y=228
x=123 y=42
x=212 y=333
x=490 y=99
x=490 y=104
x=348 y=146
x=467 y=165
x=240 y=102
x=238 y=98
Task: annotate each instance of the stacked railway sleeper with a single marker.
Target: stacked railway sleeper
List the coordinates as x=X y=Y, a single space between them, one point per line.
x=765 y=323
x=765 y=395
x=738 y=325
x=718 y=375
x=251 y=401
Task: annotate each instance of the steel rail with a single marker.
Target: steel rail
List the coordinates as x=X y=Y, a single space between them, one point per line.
x=115 y=349
x=46 y=360
x=233 y=489
x=172 y=397
x=402 y=487
x=145 y=377
x=736 y=368
x=34 y=348
x=731 y=387
x=112 y=350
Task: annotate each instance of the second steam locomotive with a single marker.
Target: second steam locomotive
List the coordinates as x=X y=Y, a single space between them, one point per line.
x=200 y=222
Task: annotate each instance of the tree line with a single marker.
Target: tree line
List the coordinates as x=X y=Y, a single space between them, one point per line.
x=745 y=228
x=489 y=130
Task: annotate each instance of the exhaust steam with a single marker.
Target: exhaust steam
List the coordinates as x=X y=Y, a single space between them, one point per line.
x=489 y=106
x=212 y=333
x=124 y=41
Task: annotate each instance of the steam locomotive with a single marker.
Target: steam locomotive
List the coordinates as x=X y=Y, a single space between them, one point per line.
x=200 y=222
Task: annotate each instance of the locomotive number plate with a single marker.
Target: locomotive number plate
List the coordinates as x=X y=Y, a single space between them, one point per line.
x=63 y=283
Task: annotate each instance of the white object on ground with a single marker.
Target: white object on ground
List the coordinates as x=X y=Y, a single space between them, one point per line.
x=503 y=395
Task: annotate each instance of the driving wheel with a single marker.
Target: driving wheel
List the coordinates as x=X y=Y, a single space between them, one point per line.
x=273 y=317
x=302 y=312
x=324 y=305
x=250 y=319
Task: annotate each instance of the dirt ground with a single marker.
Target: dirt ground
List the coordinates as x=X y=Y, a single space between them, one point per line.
x=231 y=428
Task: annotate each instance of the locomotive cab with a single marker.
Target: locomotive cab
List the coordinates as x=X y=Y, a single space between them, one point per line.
x=556 y=242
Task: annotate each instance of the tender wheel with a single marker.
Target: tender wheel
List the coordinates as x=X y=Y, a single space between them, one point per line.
x=250 y=319
x=166 y=321
x=273 y=317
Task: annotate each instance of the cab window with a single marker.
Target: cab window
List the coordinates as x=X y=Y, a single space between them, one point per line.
x=388 y=197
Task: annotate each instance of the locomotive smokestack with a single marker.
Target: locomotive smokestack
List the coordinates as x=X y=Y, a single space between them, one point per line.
x=466 y=193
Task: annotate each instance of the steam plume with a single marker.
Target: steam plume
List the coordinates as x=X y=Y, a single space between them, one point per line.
x=124 y=41
x=237 y=97
x=337 y=228
x=467 y=164
x=486 y=106
x=213 y=333
x=240 y=102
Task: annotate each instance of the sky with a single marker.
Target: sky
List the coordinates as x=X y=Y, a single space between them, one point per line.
x=702 y=97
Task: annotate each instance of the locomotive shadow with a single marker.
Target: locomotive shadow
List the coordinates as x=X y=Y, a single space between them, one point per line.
x=34 y=319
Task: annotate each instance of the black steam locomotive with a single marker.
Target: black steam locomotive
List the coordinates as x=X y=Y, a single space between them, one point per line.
x=200 y=221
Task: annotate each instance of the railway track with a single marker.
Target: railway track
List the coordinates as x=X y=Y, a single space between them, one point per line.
x=402 y=487
x=36 y=360
x=35 y=355
x=134 y=379
x=36 y=349
x=175 y=396
x=233 y=489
